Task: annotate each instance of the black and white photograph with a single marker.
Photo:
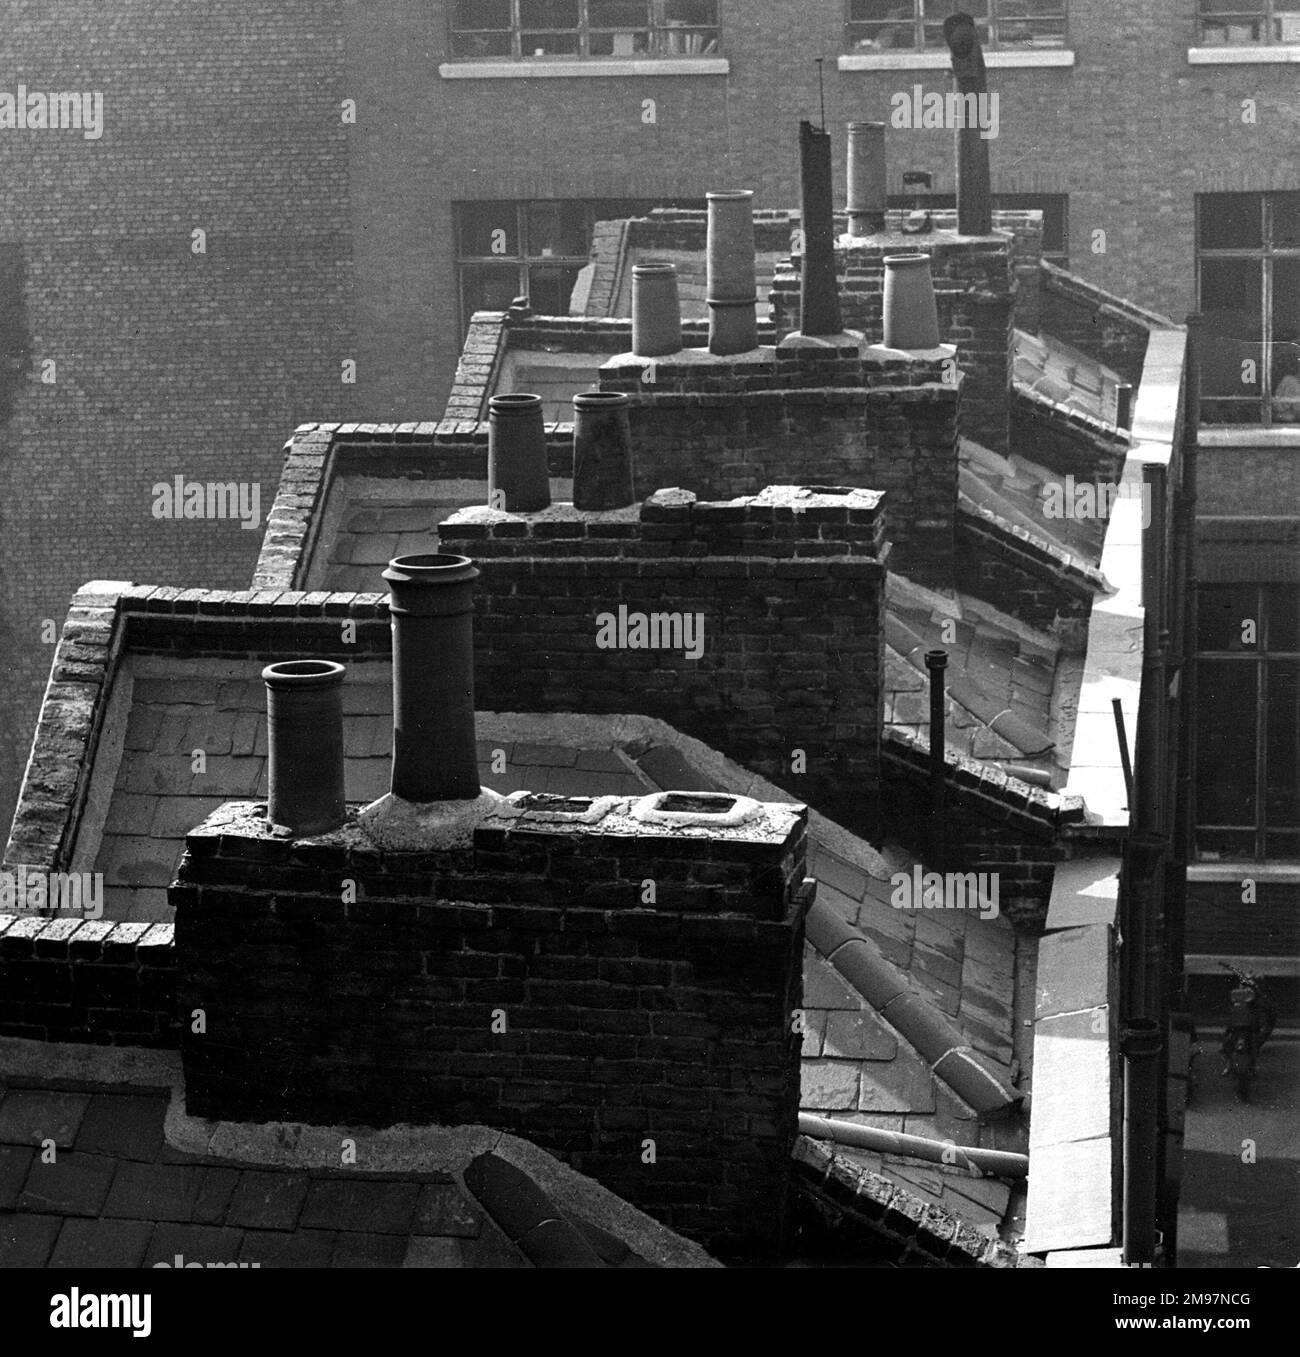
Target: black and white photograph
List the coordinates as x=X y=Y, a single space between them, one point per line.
x=652 y=634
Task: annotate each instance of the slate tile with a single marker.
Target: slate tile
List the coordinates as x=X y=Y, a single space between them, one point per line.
x=824 y=986
x=268 y=1200
x=355 y=1204
x=443 y=1209
x=165 y=1192
x=15 y=1160
x=212 y=1200
x=29 y=1116
x=73 y=1185
x=426 y=1251
x=102 y=1243
x=288 y=1248
x=194 y=1243
x=128 y=1126
x=27 y=1240
x=902 y=1085
x=130 y=813
x=858 y=1036
x=828 y=1085
x=369 y=1250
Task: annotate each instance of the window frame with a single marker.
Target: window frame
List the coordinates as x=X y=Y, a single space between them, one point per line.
x=987 y=25
x=1263 y=12
x=1265 y=254
x=1264 y=658
x=658 y=29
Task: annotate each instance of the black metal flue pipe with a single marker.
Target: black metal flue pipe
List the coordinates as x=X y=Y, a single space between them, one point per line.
x=1140 y=1044
x=431 y=604
x=820 y=313
x=974 y=192
x=936 y=661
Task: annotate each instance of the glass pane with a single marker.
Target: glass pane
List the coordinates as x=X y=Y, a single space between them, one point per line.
x=1212 y=844
x=488 y=287
x=1282 y=746
x=1283 y=604
x=624 y=43
x=481 y=14
x=1224 y=22
x=1286 y=218
x=879 y=25
x=1222 y=610
x=1225 y=742
x=549 y=289
x=618 y=13
x=481 y=45
x=1282 y=845
x=558 y=229
x=1038 y=23
x=1284 y=375
x=696 y=13
x=1233 y=353
x=549 y=44
x=487 y=229
x=548 y=13
x=1230 y=221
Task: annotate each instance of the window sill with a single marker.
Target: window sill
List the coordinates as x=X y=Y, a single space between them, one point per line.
x=1285 y=872
x=594 y=66
x=1244 y=55
x=1248 y=436
x=941 y=61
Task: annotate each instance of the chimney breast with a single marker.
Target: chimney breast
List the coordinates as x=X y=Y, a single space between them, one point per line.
x=732 y=277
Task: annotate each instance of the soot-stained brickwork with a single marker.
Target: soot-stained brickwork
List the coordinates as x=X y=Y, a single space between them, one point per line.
x=618 y=991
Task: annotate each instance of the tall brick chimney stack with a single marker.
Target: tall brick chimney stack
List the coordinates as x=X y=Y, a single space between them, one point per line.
x=435 y=799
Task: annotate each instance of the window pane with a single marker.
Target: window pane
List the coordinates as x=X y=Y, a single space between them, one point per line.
x=1230 y=303
x=549 y=44
x=558 y=229
x=694 y=13
x=1286 y=218
x=548 y=13
x=618 y=13
x=1230 y=221
x=1282 y=746
x=1225 y=742
x=1225 y=843
x=488 y=229
x=1283 y=604
x=481 y=14
x=879 y=25
x=1221 y=611
x=1284 y=374
x=480 y=45
x=488 y=287
x=549 y=289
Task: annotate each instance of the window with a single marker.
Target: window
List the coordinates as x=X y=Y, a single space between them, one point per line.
x=1056 y=247
x=1224 y=23
x=1248 y=273
x=536 y=250
x=1248 y=722
x=538 y=29
x=884 y=25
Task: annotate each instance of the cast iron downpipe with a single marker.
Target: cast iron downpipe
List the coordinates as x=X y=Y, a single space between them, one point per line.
x=1141 y=1045
x=974 y=194
x=936 y=661
x=304 y=742
x=999 y=1163
x=431 y=603
x=820 y=307
x=866 y=205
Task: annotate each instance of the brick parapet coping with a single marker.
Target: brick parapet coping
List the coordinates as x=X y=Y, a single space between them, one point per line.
x=1009 y=541
x=1080 y=289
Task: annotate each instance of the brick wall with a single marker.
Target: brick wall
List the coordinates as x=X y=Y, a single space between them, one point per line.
x=974 y=287
x=224 y=118
x=1105 y=327
x=724 y=427
x=793 y=635
x=626 y=1031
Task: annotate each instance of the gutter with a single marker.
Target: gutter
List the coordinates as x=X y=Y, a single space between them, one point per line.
x=981 y=1163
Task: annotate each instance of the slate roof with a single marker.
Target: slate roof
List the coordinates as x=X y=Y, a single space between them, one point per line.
x=1052 y=369
x=118 y=1195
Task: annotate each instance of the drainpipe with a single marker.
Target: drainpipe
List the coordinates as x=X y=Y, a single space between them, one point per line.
x=1141 y=1046
x=656 y=309
x=304 y=723
x=974 y=194
x=431 y=604
x=820 y=309
x=866 y=205
x=732 y=281
x=936 y=661
x=981 y=1162
x=911 y=318
x=518 y=479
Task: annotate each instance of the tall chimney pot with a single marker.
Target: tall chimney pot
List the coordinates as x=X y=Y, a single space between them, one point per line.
x=518 y=480
x=911 y=318
x=304 y=723
x=431 y=605
x=732 y=278
x=866 y=205
x=974 y=192
x=602 y=451
x=656 y=309
x=820 y=288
